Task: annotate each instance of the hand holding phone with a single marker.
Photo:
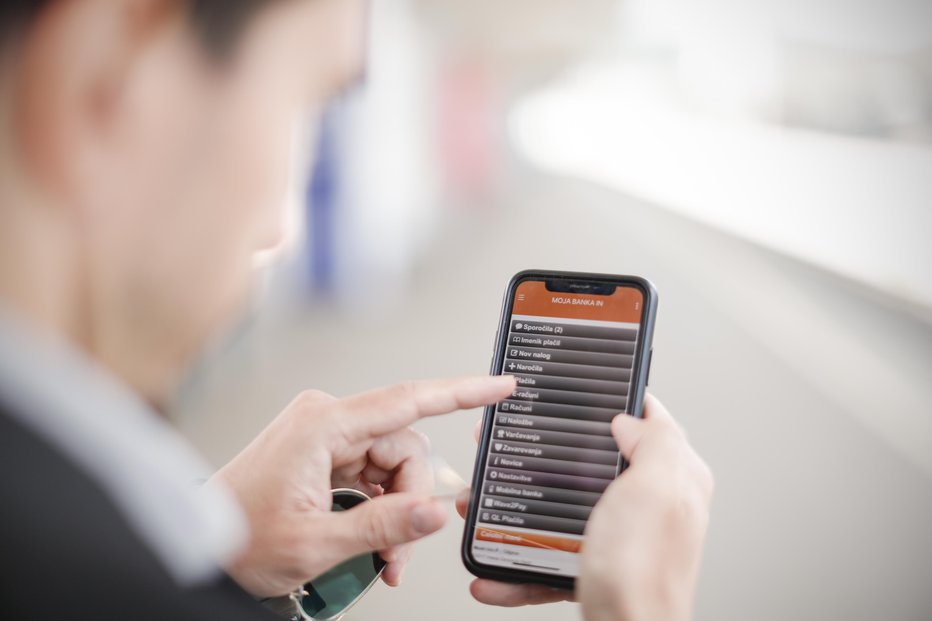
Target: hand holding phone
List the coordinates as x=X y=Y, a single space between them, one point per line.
x=645 y=536
x=631 y=569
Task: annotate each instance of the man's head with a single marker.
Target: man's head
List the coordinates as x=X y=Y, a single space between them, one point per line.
x=144 y=154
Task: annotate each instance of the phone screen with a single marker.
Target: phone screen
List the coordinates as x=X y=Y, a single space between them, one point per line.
x=551 y=453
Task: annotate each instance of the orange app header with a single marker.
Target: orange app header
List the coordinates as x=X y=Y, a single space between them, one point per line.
x=533 y=298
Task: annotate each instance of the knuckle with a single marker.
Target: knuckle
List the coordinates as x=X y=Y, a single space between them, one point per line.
x=375 y=530
x=311 y=399
x=407 y=388
x=697 y=496
x=313 y=394
x=407 y=393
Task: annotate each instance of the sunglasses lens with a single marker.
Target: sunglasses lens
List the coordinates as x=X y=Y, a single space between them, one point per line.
x=331 y=593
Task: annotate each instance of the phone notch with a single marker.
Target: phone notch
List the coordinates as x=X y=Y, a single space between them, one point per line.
x=559 y=285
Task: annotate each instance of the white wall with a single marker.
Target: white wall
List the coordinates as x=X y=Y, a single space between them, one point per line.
x=857 y=207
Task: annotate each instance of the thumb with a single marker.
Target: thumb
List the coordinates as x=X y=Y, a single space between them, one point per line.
x=629 y=431
x=383 y=522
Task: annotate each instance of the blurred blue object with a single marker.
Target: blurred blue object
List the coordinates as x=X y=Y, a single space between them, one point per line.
x=321 y=202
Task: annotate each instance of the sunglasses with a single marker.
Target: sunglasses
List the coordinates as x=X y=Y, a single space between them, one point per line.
x=329 y=596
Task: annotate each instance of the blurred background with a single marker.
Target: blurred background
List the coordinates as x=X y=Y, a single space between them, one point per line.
x=767 y=163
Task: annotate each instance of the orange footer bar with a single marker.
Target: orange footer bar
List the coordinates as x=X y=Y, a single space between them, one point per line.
x=525 y=539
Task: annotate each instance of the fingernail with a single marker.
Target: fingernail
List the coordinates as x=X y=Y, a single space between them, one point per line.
x=427 y=518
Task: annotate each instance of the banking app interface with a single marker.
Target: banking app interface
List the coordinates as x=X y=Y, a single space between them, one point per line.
x=551 y=453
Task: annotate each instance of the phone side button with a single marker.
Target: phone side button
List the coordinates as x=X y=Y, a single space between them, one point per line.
x=650 y=360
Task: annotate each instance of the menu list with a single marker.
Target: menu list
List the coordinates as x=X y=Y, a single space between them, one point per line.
x=551 y=452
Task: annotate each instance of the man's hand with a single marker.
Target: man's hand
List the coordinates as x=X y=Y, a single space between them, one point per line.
x=283 y=480
x=644 y=537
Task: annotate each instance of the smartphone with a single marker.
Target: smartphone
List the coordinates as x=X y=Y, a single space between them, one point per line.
x=579 y=346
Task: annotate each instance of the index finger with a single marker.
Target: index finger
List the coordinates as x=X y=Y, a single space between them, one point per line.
x=382 y=411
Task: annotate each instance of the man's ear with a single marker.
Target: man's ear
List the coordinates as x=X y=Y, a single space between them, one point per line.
x=70 y=70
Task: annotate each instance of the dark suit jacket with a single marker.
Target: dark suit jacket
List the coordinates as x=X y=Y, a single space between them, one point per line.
x=67 y=553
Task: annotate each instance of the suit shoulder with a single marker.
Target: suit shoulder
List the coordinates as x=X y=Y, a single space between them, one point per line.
x=67 y=547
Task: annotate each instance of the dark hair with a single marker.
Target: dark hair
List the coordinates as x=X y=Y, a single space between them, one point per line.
x=218 y=22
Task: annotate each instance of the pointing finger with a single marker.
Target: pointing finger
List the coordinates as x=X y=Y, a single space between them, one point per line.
x=379 y=412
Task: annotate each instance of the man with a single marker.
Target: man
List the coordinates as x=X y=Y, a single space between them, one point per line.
x=144 y=144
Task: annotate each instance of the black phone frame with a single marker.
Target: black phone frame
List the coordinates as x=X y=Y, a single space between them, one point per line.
x=643 y=353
